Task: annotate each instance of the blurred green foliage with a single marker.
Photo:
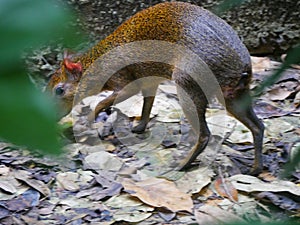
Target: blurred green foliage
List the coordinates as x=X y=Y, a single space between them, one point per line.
x=27 y=116
x=226 y=5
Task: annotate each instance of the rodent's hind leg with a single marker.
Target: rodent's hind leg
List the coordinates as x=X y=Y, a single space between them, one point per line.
x=245 y=114
x=193 y=103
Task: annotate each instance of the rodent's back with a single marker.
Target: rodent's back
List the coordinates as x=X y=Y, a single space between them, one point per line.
x=211 y=38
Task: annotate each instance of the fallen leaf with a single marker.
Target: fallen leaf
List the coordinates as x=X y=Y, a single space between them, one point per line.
x=204 y=219
x=275 y=127
x=166 y=109
x=226 y=189
x=214 y=215
x=20 y=189
x=222 y=124
x=113 y=190
x=109 y=186
x=269 y=109
x=77 y=203
x=278 y=94
x=110 y=147
x=159 y=193
x=168 y=88
x=46 y=210
x=252 y=184
x=197 y=180
x=124 y=200
x=4 y=212
x=132 y=106
x=68 y=181
x=131 y=215
x=35 y=184
x=8 y=187
x=29 y=198
x=166 y=215
x=281 y=201
x=260 y=64
x=102 y=161
x=129 y=208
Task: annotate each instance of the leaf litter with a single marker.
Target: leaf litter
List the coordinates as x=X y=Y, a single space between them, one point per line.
x=126 y=177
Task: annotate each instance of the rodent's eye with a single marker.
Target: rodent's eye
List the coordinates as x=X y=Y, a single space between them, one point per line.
x=59 y=91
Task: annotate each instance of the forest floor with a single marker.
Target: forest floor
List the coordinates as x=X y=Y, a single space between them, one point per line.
x=108 y=175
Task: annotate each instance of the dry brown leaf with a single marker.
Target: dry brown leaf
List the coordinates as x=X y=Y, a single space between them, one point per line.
x=204 y=219
x=253 y=184
x=196 y=179
x=226 y=189
x=103 y=161
x=8 y=187
x=35 y=184
x=128 y=208
x=267 y=176
x=278 y=94
x=260 y=64
x=68 y=181
x=159 y=193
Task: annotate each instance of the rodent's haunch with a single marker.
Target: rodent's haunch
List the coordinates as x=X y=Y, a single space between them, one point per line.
x=187 y=25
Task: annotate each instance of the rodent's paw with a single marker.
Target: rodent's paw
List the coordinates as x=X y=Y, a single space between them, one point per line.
x=140 y=128
x=255 y=171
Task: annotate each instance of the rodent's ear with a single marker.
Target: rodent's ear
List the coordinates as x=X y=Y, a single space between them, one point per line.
x=75 y=68
x=72 y=66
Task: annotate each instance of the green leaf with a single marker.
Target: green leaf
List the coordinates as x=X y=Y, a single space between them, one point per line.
x=27 y=117
x=30 y=23
x=290 y=167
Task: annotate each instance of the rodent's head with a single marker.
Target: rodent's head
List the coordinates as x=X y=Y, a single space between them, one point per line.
x=63 y=83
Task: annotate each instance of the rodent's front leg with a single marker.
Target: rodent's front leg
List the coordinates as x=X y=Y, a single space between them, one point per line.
x=115 y=97
x=105 y=103
x=102 y=105
x=149 y=91
x=147 y=106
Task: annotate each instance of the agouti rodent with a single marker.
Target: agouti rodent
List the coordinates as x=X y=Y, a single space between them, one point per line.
x=192 y=27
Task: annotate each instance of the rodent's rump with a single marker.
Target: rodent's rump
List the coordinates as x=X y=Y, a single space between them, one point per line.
x=207 y=36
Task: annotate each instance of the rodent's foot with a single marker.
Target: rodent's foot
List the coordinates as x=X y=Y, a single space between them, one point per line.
x=183 y=167
x=256 y=170
x=139 y=128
